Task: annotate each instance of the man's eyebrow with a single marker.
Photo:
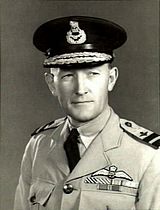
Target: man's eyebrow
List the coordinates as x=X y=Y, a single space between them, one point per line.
x=66 y=71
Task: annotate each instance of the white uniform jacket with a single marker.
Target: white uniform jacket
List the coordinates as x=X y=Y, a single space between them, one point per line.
x=117 y=172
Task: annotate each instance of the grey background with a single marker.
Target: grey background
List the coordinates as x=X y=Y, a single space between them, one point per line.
x=26 y=101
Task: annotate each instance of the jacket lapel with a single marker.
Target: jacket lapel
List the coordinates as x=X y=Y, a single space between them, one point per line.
x=96 y=156
x=92 y=160
x=57 y=154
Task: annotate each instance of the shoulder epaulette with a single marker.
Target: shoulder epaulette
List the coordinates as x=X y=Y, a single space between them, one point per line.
x=141 y=133
x=51 y=125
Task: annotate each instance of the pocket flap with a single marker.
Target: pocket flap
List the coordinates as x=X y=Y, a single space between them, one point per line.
x=40 y=192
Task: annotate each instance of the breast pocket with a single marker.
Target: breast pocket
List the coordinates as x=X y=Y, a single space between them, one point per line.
x=40 y=193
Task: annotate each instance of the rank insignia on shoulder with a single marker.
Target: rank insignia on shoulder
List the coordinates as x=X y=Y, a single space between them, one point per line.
x=147 y=136
x=51 y=125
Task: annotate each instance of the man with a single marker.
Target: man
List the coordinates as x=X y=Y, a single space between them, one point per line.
x=91 y=159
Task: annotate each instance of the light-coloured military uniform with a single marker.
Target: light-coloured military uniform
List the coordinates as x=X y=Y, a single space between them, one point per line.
x=117 y=172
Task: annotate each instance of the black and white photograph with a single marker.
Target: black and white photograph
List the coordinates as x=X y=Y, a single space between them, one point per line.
x=80 y=105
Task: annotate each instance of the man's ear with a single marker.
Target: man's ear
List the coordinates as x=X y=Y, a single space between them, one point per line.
x=113 y=76
x=49 y=78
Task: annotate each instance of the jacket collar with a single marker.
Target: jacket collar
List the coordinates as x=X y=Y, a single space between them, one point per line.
x=57 y=154
x=96 y=157
x=112 y=133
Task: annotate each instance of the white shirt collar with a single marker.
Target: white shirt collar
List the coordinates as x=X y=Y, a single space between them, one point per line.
x=91 y=129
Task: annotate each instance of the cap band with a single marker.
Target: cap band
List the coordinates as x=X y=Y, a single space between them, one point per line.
x=77 y=57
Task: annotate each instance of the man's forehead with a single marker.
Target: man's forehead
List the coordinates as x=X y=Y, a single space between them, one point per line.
x=73 y=69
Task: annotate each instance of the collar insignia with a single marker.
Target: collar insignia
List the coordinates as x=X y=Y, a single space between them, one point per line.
x=75 y=35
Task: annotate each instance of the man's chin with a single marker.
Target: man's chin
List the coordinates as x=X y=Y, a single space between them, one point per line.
x=82 y=118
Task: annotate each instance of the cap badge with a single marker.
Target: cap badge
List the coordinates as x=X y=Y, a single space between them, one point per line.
x=75 y=35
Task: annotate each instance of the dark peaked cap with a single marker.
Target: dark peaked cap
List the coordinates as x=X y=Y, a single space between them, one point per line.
x=78 y=40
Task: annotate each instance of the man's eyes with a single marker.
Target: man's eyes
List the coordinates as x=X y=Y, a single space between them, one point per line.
x=71 y=75
x=66 y=76
x=93 y=73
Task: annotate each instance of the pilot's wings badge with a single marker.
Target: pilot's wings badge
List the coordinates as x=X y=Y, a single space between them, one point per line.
x=112 y=172
x=112 y=179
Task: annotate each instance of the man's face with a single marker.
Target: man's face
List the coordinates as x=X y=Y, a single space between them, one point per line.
x=83 y=93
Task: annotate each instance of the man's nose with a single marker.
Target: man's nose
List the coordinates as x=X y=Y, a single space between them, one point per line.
x=81 y=86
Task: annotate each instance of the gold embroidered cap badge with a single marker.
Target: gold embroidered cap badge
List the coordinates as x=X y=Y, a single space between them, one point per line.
x=75 y=35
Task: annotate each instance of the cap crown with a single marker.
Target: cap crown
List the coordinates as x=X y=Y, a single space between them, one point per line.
x=99 y=35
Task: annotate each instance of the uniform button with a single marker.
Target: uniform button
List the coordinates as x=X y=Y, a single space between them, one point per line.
x=68 y=188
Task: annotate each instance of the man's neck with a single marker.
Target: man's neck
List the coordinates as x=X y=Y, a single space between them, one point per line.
x=105 y=113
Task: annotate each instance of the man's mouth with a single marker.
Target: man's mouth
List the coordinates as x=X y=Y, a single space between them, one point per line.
x=81 y=102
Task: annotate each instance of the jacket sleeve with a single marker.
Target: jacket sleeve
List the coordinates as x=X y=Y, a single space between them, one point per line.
x=149 y=189
x=22 y=191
